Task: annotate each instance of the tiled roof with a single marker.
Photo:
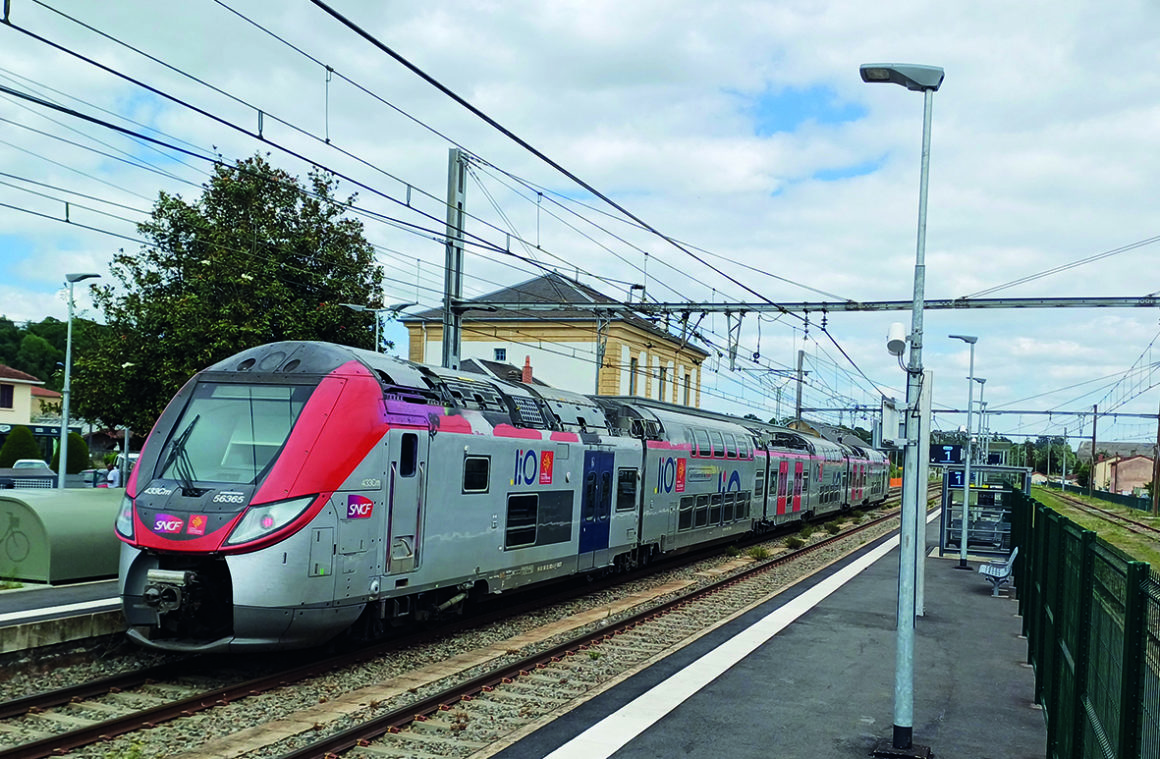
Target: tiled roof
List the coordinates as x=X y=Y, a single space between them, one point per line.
x=15 y=375
x=44 y=392
x=550 y=288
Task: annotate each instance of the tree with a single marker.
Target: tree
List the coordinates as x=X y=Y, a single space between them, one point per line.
x=20 y=444
x=39 y=358
x=78 y=455
x=259 y=257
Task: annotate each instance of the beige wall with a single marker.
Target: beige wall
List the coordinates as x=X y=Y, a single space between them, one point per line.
x=21 y=411
x=578 y=339
x=1123 y=475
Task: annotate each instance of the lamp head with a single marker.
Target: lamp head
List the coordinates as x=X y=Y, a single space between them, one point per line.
x=969 y=339
x=73 y=278
x=354 y=306
x=396 y=307
x=980 y=380
x=912 y=76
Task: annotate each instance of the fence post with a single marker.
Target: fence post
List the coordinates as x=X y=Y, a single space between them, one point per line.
x=1132 y=686
x=1083 y=641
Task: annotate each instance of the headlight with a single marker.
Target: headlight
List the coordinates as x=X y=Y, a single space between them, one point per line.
x=125 y=518
x=263 y=520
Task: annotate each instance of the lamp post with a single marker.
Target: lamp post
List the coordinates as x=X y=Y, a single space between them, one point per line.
x=397 y=307
x=927 y=80
x=62 y=462
x=969 y=340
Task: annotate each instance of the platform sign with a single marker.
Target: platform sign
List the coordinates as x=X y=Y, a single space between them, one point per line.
x=943 y=453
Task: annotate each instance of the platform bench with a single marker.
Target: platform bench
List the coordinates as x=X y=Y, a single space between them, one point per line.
x=998 y=572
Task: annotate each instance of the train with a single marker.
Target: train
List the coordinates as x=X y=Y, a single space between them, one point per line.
x=300 y=491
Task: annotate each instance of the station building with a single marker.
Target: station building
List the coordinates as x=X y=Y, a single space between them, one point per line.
x=641 y=357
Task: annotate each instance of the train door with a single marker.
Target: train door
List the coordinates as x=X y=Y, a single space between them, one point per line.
x=406 y=490
x=596 y=508
x=799 y=479
x=782 y=485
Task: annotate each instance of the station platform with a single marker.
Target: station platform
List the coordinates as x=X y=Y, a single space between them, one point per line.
x=810 y=673
x=43 y=615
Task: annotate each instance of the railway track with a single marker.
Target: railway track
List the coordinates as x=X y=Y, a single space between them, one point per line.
x=1153 y=533
x=64 y=720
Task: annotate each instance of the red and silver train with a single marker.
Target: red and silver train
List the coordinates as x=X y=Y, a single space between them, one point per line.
x=300 y=490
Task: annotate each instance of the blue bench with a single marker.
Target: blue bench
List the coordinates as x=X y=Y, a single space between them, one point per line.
x=998 y=572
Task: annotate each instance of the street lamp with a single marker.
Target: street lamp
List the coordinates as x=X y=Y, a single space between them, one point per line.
x=969 y=340
x=62 y=462
x=376 y=311
x=927 y=80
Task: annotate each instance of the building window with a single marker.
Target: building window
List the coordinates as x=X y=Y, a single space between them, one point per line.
x=633 y=368
x=6 y=392
x=688 y=383
x=664 y=375
x=501 y=354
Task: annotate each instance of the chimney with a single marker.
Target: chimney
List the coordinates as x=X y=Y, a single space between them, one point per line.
x=526 y=376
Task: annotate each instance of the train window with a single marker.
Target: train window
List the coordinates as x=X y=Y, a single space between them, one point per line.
x=590 y=497
x=718 y=445
x=626 y=490
x=685 y=515
x=701 y=517
x=715 y=507
x=743 y=447
x=690 y=441
x=703 y=448
x=742 y=505
x=476 y=474
x=727 y=508
x=730 y=445
x=759 y=484
x=521 y=521
x=408 y=454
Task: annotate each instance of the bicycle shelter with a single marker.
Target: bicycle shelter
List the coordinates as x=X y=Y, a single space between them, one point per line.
x=988 y=510
x=56 y=536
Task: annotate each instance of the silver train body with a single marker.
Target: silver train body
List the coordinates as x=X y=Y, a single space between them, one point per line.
x=297 y=491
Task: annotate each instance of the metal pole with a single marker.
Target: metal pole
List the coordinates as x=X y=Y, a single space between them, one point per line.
x=453 y=277
x=1092 y=476
x=904 y=654
x=798 y=409
x=62 y=462
x=378 y=314
x=967 y=466
x=1155 y=471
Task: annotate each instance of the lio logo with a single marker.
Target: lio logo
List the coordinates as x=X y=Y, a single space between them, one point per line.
x=532 y=468
x=728 y=482
x=671 y=475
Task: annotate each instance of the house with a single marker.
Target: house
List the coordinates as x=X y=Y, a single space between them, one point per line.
x=16 y=395
x=640 y=356
x=1122 y=474
x=46 y=404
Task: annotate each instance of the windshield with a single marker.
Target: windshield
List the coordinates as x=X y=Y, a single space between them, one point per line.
x=230 y=433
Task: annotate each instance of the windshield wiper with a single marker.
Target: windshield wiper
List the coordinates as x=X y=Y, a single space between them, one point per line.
x=179 y=458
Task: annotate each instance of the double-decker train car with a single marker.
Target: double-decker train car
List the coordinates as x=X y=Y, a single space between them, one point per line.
x=299 y=490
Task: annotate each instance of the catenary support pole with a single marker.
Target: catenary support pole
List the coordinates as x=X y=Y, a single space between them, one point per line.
x=453 y=276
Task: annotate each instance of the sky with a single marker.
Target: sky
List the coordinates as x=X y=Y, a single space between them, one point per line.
x=741 y=129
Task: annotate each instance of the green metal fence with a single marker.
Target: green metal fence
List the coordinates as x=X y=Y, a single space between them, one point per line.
x=1092 y=620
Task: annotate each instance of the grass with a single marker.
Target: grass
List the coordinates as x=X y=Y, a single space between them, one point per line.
x=794 y=543
x=758 y=553
x=833 y=526
x=1139 y=547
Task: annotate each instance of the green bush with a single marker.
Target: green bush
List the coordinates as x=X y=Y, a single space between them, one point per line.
x=78 y=455
x=794 y=543
x=758 y=553
x=19 y=445
x=806 y=531
x=732 y=552
x=833 y=527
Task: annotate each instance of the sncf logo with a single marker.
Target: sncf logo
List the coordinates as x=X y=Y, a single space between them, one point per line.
x=359 y=507
x=167 y=523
